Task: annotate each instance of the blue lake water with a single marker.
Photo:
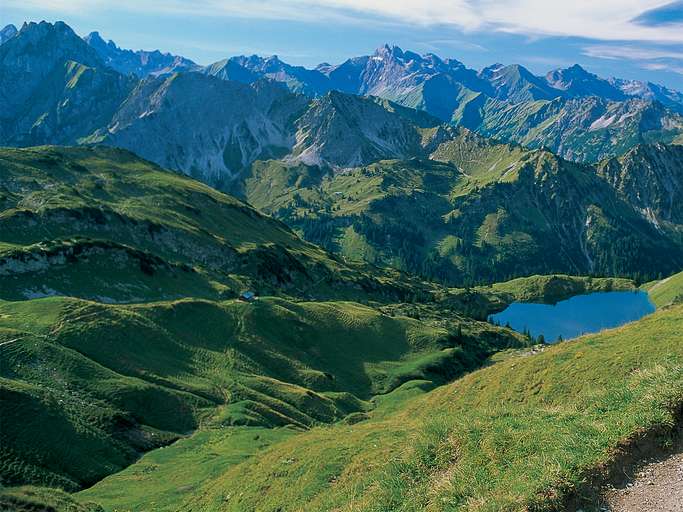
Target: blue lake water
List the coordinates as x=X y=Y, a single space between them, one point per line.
x=578 y=315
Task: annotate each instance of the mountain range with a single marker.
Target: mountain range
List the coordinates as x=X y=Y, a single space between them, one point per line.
x=256 y=286
x=463 y=207
x=571 y=112
x=121 y=331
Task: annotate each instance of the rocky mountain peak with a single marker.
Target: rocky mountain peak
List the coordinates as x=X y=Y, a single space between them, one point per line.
x=140 y=62
x=389 y=51
x=491 y=70
x=576 y=82
x=8 y=33
x=95 y=40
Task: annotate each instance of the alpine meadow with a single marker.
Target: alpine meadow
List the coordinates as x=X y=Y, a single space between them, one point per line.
x=393 y=283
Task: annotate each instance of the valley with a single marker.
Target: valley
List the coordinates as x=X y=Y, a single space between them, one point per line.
x=390 y=284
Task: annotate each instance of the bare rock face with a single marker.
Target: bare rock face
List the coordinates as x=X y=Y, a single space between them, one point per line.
x=33 y=54
x=310 y=82
x=212 y=128
x=140 y=63
x=8 y=33
x=56 y=88
x=577 y=82
x=583 y=129
x=53 y=87
x=341 y=130
x=204 y=126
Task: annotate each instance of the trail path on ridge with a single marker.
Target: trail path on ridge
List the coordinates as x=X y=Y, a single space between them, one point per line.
x=657 y=487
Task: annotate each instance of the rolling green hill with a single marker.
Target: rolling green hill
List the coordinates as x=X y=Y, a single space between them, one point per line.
x=119 y=327
x=132 y=373
x=530 y=432
x=101 y=223
x=480 y=211
x=115 y=380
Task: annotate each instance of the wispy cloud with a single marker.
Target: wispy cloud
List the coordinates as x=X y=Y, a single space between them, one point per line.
x=609 y=20
x=436 y=45
x=658 y=58
x=631 y=52
x=658 y=66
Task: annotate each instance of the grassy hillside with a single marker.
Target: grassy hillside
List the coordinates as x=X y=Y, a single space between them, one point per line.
x=74 y=221
x=666 y=292
x=119 y=331
x=478 y=212
x=525 y=432
x=115 y=380
x=32 y=499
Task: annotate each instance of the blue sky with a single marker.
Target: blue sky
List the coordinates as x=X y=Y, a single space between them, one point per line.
x=641 y=39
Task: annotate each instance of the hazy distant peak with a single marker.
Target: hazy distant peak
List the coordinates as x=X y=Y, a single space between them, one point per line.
x=8 y=33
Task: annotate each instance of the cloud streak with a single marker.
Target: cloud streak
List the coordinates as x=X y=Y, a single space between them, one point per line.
x=631 y=52
x=608 y=20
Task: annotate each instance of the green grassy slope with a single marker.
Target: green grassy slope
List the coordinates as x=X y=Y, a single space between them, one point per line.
x=552 y=289
x=666 y=292
x=115 y=380
x=480 y=212
x=119 y=331
x=523 y=433
x=101 y=223
x=37 y=499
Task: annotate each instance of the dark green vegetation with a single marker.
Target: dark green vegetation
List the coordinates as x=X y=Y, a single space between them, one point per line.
x=523 y=433
x=120 y=334
x=479 y=211
x=103 y=224
x=114 y=380
x=39 y=499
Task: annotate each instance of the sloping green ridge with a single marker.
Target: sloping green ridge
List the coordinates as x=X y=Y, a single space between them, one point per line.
x=478 y=212
x=115 y=380
x=523 y=433
x=666 y=291
x=103 y=224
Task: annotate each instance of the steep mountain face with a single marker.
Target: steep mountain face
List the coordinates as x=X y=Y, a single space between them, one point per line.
x=212 y=129
x=648 y=90
x=141 y=63
x=8 y=33
x=53 y=87
x=250 y=69
x=576 y=82
x=28 y=58
x=341 y=130
x=516 y=84
x=485 y=211
x=572 y=111
x=651 y=179
x=391 y=72
x=203 y=126
x=192 y=122
x=584 y=129
x=56 y=88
